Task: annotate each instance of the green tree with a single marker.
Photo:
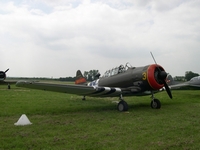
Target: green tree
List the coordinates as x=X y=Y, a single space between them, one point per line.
x=90 y=75
x=189 y=75
x=85 y=74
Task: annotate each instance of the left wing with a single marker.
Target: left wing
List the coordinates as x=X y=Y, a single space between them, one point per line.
x=8 y=81
x=93 y=91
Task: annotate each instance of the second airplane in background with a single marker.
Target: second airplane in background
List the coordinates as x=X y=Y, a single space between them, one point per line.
x=194 y=83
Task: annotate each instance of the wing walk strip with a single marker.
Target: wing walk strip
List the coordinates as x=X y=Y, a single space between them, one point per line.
x=106 y=91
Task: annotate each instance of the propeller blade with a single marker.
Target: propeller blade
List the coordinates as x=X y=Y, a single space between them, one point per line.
x=162 y=75
x=153 y=58
x=167 y=89
x=6 y=70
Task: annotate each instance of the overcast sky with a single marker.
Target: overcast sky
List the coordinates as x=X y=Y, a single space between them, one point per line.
x=48 y=38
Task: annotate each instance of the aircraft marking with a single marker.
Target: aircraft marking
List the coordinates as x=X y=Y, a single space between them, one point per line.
x=144 y=76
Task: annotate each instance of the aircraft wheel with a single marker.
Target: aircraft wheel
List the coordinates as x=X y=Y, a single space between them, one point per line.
x=155 y=104
x=122 y=106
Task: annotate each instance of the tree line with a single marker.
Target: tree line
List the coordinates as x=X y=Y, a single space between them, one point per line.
x=89 y=75
x=188 y=75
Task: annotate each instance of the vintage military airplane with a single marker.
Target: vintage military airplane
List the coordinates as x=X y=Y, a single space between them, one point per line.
x=3 y=75
x=194 y=83
x=3 y=79
x=117 y=82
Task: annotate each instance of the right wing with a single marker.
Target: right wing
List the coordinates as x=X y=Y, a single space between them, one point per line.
x=177 y=86
x=194 y=82
x=182 y=85
x=93 y=91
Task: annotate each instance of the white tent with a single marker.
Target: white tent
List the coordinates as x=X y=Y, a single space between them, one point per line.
x=23 y=120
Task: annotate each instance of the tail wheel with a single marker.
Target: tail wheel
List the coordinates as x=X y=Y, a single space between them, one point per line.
x=122 y=106
x=155 y=104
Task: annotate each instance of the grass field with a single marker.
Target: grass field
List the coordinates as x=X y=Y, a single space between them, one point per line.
x=64 y=121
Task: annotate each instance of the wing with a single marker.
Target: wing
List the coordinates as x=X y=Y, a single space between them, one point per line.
x=7 y=82
x=83 y=90
x=177 y=86
x=186 y=84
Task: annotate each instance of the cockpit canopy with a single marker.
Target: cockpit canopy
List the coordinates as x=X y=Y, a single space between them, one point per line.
x=195 y=78
x=117 y=70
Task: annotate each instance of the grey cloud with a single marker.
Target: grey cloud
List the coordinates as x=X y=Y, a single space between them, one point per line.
x=77 y=34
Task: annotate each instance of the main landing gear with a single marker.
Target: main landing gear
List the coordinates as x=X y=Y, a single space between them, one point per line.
x=122 y=105
x=155 y=103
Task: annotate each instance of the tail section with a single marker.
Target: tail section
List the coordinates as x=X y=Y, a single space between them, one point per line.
x=79 y=78
x=170 y=80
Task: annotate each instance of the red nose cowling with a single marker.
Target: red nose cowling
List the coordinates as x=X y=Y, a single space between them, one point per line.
x=154 y=78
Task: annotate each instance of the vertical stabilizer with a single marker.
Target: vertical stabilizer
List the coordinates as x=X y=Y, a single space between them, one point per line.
x=79 y=78
x=23 y=120
x=170 y=80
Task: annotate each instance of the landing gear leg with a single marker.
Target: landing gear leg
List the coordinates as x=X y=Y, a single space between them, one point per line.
x=8 y=86
x=155 y=103
x=122 y=105
x=83 y=98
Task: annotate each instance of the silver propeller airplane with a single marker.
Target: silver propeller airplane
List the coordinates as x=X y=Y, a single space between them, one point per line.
x=194 y=82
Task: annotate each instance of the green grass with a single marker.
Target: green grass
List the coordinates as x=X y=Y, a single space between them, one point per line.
x=64 y=121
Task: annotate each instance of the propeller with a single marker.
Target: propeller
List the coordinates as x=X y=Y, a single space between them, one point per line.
x=3 y=75
x=162 y=76
x=6 y=70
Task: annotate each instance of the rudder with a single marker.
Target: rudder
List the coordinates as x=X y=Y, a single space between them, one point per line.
x=79 y=78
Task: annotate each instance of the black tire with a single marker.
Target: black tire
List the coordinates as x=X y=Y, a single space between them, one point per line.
x=155 y=104
x=122 y=106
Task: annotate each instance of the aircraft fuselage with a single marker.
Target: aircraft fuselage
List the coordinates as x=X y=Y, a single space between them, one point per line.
x=132 y=79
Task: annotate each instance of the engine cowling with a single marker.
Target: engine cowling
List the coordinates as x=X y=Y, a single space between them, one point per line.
x=155 y=76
